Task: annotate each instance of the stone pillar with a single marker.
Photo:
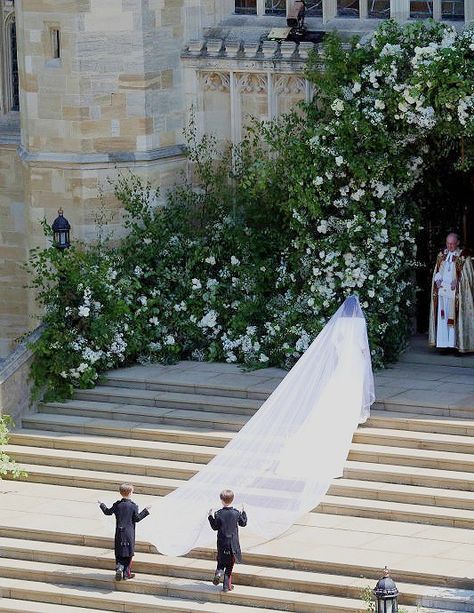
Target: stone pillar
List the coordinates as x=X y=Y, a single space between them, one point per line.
x=400 y=10
x=468 y=11
x=363 y=9
x=437 y=10
x=329 y=10
x=260 y=7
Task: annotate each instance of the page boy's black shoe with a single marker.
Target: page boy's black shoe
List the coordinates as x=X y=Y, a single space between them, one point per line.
x=217 y=577
x=129 y=576
x=119 y=572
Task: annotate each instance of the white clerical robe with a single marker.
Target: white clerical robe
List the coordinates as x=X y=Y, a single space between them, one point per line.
x=445 y=329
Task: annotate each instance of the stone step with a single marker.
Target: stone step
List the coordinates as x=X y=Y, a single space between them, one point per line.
x=424 y=458
x=456 y=504
x=39 y=593
x=187 y=384
x=95 y=479
x=170 y=400
x=192 y=453
x=283 y=579
x=110 y=445
x=147 y=414
x=378 y=467
x=85 y=460
x=194 y=431
x=134 y=430
x=413 y=422
x=342 y=562
x=410 y=402
x=410 y=494
x=12 y=605
x=158 y=585
x=409 y=475
x=397 y=511
x=415 y=440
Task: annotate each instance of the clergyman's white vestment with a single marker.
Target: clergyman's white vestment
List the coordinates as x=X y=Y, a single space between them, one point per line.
x=445 y=329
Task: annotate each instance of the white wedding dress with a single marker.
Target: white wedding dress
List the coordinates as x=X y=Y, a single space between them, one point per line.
x=283 y=460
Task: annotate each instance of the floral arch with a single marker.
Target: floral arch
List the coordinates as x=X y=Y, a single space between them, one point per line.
x=306 y=211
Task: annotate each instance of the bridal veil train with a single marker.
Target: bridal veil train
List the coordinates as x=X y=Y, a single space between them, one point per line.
x=283 y=460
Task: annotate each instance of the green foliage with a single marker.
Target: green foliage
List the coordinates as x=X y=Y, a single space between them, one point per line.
x=255 y=250
x=7 y=465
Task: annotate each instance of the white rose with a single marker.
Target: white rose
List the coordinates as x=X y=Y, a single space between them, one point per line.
x=379 y=104
x=234 y=261
x=339 y=160
x=318 y=181
x=196 y=284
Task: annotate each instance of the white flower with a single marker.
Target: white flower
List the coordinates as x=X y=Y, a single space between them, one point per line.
x=234 y=261
x=169 y=340
x=143 y=300
x=339 y=160
x=138 y=271
x=318 y=181
x=209 y=320
x=154 y=321
x=263 y=358
x=210 y=260
x=379 y=104
x=83 y=366
x=356 y=87
x=196 y=284
x=337 y=106
x=322 y=227
x=83 y=311
x=371 y=293
x=211 y=283
x=147 y=241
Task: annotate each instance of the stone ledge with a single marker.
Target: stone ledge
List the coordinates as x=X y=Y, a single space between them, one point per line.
x=49 y=157
x=14 y=379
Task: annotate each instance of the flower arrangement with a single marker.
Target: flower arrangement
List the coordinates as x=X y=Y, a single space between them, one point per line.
x=247 y=263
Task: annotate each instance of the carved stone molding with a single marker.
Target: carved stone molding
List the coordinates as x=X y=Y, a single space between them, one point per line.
x=248 y=83
x=214 y=81
x=289 y=84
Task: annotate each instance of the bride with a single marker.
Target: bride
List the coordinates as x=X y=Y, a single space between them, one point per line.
x=283 y=460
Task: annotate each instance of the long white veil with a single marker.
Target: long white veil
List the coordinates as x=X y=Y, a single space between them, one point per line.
x=283 y=460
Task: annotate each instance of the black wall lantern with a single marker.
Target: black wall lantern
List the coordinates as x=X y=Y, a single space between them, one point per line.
x=386 y=594
x=61 y=228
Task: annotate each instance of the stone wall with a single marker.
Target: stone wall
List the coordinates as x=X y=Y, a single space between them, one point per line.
x=13 y=249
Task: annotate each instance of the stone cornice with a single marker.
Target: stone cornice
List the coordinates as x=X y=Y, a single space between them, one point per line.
x=48 y=158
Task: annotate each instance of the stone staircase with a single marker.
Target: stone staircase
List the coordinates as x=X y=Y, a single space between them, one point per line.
x=406 y=499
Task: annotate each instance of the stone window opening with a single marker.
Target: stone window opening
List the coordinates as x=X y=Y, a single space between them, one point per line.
x=11 y=93
x=55 y=37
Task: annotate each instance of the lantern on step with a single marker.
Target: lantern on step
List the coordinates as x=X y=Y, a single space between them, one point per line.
x=61 y=229
x=386 y=594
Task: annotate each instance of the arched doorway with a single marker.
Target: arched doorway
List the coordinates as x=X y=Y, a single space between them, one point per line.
x=445 y=199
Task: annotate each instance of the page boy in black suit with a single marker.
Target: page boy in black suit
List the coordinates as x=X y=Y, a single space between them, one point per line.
x=126 y=516
x=226 y=522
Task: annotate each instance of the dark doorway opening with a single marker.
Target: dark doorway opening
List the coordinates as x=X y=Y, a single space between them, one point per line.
x=445 y=199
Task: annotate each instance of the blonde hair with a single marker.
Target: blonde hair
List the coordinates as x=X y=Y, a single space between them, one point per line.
x=227 y=496
x=126 y=489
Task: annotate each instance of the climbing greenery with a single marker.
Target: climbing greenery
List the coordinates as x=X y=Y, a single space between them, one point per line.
x=246 y=263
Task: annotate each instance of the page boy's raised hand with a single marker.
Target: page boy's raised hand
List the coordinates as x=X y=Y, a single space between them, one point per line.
x=209 y=512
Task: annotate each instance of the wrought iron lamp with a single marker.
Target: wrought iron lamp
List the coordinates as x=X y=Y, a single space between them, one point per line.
x=386 y=594
x=61 y=229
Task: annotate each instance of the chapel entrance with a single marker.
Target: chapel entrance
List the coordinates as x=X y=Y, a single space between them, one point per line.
x=446 y=201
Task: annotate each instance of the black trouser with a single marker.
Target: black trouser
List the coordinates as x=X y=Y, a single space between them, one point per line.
x=225 y=562
x=126 y=563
